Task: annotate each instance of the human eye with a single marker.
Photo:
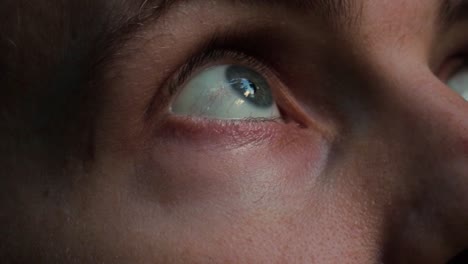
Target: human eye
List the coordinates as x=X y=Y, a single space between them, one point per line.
x=224 y=93
x=229 y=86
x=232 y=92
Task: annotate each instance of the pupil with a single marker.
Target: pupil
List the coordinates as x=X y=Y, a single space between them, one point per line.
x=250 y=89
x=249 y=85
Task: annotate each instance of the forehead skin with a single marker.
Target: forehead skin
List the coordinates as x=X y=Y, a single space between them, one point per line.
x=381 y=177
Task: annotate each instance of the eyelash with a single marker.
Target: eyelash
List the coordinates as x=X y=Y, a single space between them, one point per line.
x=210 y=57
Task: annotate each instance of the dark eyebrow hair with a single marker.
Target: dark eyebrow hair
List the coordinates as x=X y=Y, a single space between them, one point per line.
x=334 y=10
x=453 y=11
x=337 y=12
x=327 y=8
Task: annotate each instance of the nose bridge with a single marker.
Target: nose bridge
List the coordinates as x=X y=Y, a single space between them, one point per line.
x=390 y=49
x=421 y=104
x=396 y=58
x=406 y=136
x=412 y=102
x=429 y=122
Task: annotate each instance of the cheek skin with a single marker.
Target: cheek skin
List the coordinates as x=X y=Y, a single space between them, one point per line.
x=227 y=195
x=238 y=162
x=205 y=195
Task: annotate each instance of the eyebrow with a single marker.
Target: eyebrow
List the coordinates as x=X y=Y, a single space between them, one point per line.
x=329 y=8
x=337 y=12
x=336 y=9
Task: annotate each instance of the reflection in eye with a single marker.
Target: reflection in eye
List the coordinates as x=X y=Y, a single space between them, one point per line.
x=227 y=92
x=459 y=82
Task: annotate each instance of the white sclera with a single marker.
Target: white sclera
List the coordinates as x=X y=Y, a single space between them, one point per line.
x=210 y=95
x=459 y=83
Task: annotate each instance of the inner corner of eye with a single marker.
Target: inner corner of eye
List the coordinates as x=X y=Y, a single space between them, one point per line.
x=227 y=92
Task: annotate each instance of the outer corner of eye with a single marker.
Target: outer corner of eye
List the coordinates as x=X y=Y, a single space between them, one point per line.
x=459 y=82
x=227 y=92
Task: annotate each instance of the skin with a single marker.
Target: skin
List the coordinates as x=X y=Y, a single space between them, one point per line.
x=368 y=165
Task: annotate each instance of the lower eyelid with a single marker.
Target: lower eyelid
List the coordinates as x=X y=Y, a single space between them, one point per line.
x=206 y=132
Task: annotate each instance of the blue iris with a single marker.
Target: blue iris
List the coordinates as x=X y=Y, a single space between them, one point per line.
x=250 y=85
